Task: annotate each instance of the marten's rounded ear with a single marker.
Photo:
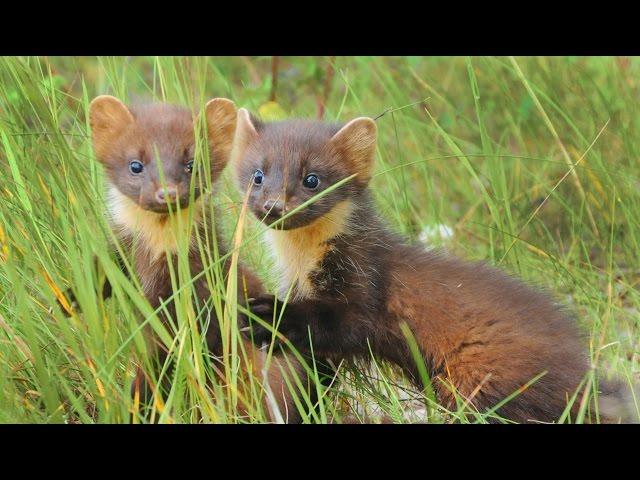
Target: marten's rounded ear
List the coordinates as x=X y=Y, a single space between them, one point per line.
x=221 y=115
x=108 y=116
x=245 y=133
x=356 y=144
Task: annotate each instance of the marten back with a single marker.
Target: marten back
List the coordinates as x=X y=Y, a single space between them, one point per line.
x=488 y=331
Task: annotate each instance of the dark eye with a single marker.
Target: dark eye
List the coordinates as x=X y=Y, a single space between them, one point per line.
x=189 y=166
x=258 y=177
x=136 y=167
x=311 y=181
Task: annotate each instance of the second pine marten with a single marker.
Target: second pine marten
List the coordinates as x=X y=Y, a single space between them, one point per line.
x=147 y=153
x=483 y=335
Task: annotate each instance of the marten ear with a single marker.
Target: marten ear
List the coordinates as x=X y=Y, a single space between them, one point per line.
x=246 y=133
x=356 y=144
x=108 y=117
x=221 y=115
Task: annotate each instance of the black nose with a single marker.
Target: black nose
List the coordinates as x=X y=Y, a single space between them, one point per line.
x=273 y=208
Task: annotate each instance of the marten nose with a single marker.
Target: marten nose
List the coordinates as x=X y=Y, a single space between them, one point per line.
x=274 y=208
x=167 y=194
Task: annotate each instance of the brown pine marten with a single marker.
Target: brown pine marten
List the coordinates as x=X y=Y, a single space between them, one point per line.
x=148 y=154
x=353 y=283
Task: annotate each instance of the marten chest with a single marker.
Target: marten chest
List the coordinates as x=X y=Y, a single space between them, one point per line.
x=154 y=240
x=298 y=263
x=301 y=253
x=325 y=259
x=158 y=273
x=153 y=234
x=153 y=274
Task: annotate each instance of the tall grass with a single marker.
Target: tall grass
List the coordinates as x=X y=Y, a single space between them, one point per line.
x=532 y=164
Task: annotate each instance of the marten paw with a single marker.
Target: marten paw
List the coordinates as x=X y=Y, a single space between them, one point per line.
x=264 y=307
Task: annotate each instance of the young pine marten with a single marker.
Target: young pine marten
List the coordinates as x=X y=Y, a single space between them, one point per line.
x=148 y=153
x=353 y=283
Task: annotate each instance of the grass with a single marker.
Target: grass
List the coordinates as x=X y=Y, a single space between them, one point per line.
x=531 y=163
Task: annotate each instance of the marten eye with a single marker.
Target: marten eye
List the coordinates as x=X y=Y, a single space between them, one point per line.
x=258 y=177
x=311 y=181
x=189 y=166
x=136 y=167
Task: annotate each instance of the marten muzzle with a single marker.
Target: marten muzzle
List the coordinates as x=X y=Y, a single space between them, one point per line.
x=274 y=208
x=167 y=194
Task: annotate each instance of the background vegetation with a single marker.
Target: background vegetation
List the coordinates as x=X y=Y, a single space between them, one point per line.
x=530 y=163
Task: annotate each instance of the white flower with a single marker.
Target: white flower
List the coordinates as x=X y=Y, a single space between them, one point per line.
x=435 y=233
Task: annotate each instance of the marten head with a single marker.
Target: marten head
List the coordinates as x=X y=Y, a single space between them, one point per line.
x=148 y=151
x=285 y=164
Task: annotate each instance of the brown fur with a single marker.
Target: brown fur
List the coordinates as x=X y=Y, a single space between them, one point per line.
x=163 y=138
x=482 y=333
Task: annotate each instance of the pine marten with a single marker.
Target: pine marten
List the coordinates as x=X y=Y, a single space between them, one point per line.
x=353 y=283
x=147 y=153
